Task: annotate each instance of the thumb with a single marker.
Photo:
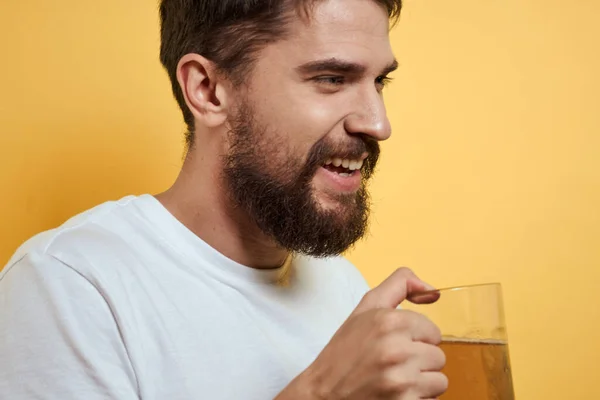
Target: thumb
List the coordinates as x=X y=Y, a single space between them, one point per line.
x=399 y=286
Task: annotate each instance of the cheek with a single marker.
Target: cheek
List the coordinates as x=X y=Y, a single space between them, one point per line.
x=295 y=113
x=303 y=122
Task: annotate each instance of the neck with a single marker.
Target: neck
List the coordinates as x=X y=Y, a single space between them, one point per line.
x=197 y=199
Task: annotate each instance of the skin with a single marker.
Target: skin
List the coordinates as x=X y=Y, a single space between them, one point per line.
x=301 y=95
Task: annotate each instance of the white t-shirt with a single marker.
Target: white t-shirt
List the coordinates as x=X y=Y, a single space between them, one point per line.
x=124 y=302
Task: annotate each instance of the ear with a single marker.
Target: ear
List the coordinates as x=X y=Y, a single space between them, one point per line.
x=203 y=89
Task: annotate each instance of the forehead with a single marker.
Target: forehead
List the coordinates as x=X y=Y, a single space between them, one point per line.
x=354 y=30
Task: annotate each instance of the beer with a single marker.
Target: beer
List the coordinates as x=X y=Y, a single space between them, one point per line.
x=477 y=370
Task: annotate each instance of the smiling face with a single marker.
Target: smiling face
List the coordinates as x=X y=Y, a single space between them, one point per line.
x=304 y=137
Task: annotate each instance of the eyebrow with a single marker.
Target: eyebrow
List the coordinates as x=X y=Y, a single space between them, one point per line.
x=340 y=66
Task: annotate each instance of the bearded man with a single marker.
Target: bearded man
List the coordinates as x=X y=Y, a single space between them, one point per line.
x=231 y=283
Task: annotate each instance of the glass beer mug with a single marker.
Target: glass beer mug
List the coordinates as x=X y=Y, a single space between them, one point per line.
x=471 y=319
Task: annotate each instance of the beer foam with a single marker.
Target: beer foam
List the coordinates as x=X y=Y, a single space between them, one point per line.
x=460 y=340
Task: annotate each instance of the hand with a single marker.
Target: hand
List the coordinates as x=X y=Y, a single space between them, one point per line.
x=380 y=352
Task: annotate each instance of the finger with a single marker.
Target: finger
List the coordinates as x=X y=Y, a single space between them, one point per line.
x=431 y=385
x=422 y=329
x=422 y=292
x=430 y=357
x=398 y=349
x=408 y=324
x=426 y=297
x=393 y=291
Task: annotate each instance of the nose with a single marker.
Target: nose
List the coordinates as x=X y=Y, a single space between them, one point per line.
x=370 y=118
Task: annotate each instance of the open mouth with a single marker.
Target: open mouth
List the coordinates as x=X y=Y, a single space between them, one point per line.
x=343 y=166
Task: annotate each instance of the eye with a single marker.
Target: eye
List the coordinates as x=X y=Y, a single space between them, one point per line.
x=382 y=81
x=331 y=80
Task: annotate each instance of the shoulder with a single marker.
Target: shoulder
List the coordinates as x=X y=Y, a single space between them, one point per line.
x=51 y=316
x=93 y=233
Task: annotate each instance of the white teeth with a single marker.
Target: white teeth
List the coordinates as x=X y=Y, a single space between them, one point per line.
x=344 y=174
x=352 y=165
x=355 y=164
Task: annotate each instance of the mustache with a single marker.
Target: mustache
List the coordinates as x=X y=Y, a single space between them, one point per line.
x=353 y=148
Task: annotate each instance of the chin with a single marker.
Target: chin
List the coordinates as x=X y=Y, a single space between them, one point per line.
x=340 y=202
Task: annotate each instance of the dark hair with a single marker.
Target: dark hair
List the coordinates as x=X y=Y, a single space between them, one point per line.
x=228 y=33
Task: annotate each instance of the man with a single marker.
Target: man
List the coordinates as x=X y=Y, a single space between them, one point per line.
x=229 y=285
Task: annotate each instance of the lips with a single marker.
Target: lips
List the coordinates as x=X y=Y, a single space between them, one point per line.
x=338 y=179
x=345 y=166
x=356 y=158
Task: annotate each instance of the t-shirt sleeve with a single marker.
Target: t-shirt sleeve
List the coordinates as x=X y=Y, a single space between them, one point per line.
x=58 y=337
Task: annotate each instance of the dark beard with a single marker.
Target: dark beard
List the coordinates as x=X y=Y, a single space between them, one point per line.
x=279 y=198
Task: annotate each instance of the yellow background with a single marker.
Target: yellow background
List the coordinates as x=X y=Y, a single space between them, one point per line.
x=493 y=173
